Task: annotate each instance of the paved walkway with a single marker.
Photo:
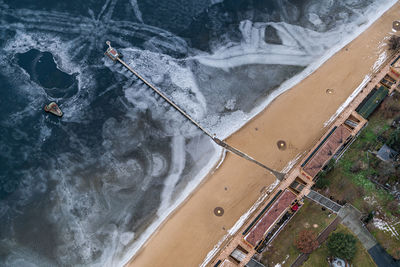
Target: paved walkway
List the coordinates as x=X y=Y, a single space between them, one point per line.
x=324 y=201
x=351 y=219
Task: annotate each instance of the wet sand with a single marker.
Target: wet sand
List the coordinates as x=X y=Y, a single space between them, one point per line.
x=297 y=117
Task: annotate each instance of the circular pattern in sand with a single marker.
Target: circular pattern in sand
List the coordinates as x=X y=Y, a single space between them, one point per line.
x=218 y=211
x=329 y=91
x=396 y=25
x=281 y=145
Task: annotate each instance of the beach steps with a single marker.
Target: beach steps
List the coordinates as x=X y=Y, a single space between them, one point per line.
x=324 y=201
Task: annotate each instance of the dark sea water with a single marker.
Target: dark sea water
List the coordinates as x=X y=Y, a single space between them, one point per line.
x=89 y=188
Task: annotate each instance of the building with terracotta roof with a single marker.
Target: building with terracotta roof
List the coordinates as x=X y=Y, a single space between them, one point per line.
x=336 y=139
x=280 y=205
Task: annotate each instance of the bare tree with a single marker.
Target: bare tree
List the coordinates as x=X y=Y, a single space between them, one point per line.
x=306 y=241
x=394 y=42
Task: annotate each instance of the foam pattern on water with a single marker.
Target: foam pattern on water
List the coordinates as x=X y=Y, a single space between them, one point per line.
x=91 y=187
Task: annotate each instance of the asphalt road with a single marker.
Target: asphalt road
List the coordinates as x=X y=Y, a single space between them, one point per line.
x=382 y=258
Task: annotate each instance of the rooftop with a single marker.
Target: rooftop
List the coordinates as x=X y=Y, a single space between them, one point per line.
x=324 y=153
x=387 y=154
x=273 y=213
x=372 y=101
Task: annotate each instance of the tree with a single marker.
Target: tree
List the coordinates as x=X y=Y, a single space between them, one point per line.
x=322 y=182
x=306 y=241
x=342 y=246
x=394 y=139
x=394 y=42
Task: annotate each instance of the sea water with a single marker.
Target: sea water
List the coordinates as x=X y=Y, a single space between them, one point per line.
x=89 y=188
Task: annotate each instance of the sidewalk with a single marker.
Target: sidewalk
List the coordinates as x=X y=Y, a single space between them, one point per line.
x=351 y=219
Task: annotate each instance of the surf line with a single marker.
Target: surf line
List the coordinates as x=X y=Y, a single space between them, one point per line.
x=116 y=57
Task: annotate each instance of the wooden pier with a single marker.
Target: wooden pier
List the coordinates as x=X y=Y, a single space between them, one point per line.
x=115 y=56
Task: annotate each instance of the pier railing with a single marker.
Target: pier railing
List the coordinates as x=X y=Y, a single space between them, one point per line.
x=114 y=55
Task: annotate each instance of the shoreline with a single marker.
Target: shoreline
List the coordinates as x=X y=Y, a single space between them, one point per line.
x=155 y=226
x=237 y=141
x=298 y=78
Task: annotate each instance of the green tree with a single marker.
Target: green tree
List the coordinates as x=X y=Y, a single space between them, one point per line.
x=322 y=182
x=342 y=245
x=394 y=139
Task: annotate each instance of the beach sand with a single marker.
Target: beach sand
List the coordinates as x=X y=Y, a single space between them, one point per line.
x=297 y=117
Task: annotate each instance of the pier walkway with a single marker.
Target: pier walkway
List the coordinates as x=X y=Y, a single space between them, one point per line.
x=115 y=56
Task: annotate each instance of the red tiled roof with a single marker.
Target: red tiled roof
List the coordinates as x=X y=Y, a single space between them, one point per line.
x=327 y=150
x=262 y=226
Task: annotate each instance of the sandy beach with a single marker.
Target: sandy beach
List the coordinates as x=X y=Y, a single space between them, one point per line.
x=297 y=117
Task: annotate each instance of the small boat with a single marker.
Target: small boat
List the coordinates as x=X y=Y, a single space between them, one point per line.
x=53 y=109
x=112 y=52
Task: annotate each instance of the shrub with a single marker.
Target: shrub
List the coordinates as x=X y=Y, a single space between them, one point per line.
x=390 y=108
x=342 y=245
x=394 y=42
x=394 y=140
x=356 y=167
x=393 y=207
x=306 y=241
x=322 y=182
x=369 y=217
x=330 y=166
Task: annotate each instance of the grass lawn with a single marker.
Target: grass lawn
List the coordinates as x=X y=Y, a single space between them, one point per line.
x=386 y=239
x=319 y=256
x=282 y=249
x=349 y=181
